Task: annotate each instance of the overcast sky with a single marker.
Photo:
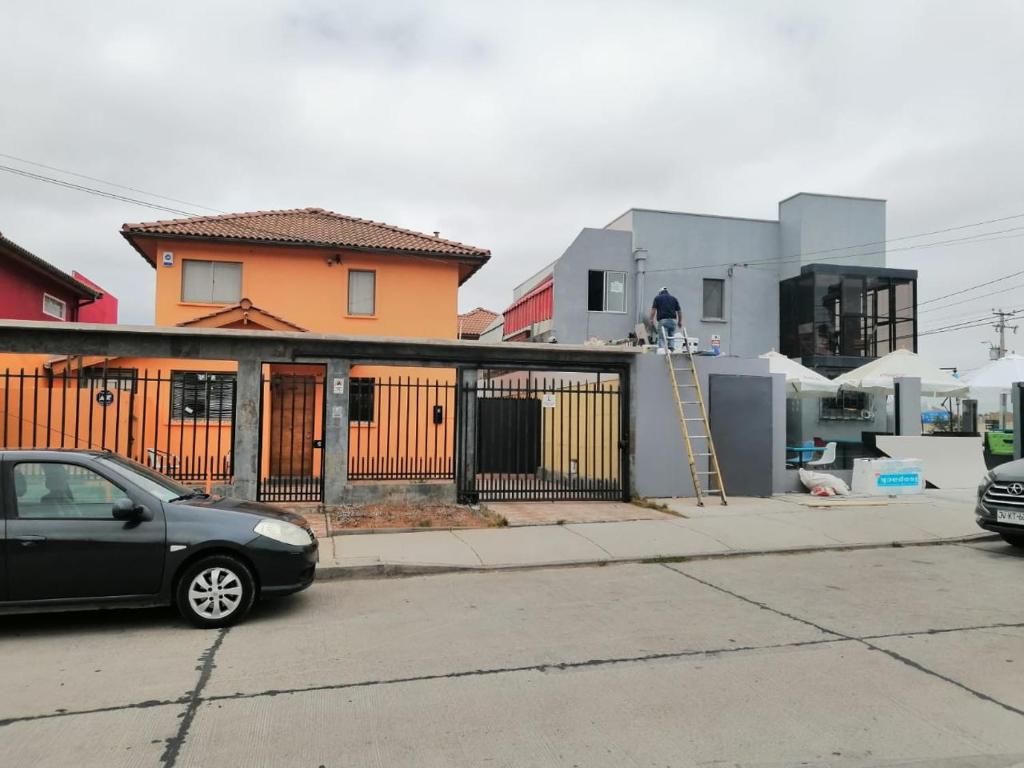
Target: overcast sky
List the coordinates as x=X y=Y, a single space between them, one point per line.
x=512 y=126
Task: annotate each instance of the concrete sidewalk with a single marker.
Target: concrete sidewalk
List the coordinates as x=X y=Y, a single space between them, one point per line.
x=746 y=526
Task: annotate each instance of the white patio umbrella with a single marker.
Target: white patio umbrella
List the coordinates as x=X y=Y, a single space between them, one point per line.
x=877 y=376
x=998 y=375
x=800 y=380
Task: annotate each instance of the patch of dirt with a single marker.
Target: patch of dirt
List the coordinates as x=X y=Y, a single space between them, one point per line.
x=412 y=516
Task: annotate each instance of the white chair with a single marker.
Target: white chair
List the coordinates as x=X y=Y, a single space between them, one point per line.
x=828 y=457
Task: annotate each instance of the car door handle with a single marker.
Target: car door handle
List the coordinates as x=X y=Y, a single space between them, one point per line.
x=30 y=540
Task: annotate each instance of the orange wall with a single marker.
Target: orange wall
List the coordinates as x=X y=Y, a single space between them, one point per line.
x=414 y=297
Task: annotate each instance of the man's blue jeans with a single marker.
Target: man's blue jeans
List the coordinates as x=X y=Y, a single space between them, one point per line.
x=668 y=327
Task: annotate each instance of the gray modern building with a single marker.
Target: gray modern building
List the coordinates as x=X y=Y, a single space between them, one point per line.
x=812 y=284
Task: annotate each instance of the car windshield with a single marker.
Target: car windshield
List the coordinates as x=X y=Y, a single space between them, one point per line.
x=148 y=480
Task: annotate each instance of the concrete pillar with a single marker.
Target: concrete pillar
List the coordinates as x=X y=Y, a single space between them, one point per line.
x=1017 y=393
x=245 y=451
x=466 y=427
x=908 y=405
x=335 y=452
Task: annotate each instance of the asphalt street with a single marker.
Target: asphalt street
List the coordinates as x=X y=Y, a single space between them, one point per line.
x=902 y=656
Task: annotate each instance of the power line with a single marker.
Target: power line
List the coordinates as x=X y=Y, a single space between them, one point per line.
x=108 y=183
x=980 y=237
x=285 y=236
x=93 y=190
x=972 y=287
x=973 y=298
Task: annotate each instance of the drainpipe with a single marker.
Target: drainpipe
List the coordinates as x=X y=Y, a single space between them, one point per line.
x=640 y=257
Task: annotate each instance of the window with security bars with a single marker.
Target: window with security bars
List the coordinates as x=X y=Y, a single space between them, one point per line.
x=123 y=379
x=205 y=396
x=361 y=399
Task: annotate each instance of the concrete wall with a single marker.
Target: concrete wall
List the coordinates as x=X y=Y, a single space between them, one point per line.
x=660 y=468
x=592 y=249
x=810 y=224
x=678 y=243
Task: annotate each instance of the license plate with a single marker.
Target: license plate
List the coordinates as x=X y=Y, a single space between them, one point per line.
x=1013 y=516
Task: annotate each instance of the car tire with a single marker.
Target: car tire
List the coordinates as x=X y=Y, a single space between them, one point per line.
x=1013 y=539
x=215 y=591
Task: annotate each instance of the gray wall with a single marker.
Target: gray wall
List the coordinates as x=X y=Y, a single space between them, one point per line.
x=603 y=249
x=748 y=254
x=809 y=224
x=660 y=468
x=678 y=242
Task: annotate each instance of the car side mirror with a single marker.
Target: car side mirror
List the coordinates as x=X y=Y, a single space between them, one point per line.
x=126 y=509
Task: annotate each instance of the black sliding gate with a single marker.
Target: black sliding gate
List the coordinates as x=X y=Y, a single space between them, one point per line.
x=531 y=437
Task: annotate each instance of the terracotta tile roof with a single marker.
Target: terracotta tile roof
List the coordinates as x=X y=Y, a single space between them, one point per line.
x=475 y=322
x=244 y=306
x=307 y=226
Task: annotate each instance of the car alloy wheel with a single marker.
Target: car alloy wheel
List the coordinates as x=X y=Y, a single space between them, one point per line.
x=215 y=593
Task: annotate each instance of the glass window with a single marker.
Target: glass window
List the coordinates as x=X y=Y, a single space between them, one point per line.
x=847 y=406
x=54 y=307
x=713 y=307
x=362 y=286
x=207 y=396
x=57 y=490
x=149 y=480
x=606 y=291
x=211 y=282
x=111 y=378
x=361 y=400
x=614 y=291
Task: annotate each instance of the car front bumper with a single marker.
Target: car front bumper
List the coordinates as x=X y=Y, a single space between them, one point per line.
x=985 y=517
x=283 y=568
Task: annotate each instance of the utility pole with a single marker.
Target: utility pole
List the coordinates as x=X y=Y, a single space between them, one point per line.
x=998 y=353
x=1002 y=326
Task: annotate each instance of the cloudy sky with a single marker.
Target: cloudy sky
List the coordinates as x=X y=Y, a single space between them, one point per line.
x=513 y=125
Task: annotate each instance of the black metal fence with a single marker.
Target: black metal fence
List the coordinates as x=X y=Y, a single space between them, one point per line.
x=401 y=428
x=179 y=423
x=543 y=438
x=291 y=437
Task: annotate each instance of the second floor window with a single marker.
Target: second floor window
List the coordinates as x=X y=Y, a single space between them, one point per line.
x=54 y=307
x=606 y=291
x=713 y=307
x=211 y=282
x=362 y=290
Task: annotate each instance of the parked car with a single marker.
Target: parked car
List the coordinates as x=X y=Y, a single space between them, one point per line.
x=1001 y=502
x=90 y=529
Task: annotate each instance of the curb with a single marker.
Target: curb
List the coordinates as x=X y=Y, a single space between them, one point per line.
x=401 y=570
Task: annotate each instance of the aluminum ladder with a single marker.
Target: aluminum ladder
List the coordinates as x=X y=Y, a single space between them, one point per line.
x=691 y=410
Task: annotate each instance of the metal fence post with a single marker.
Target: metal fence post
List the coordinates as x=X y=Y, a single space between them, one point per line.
x=246 y=458
x=334 y=461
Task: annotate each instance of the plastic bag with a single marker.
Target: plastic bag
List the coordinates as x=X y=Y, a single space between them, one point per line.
x=814 y=481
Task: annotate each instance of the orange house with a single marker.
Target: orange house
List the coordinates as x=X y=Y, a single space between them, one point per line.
x=300 y=270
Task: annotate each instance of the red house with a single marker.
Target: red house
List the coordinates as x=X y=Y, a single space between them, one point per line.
x=34 y=289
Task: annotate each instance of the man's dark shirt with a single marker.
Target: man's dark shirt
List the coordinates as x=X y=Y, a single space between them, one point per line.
x=666 y=306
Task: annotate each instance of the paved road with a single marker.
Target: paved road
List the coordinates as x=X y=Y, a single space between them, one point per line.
x=896 y=656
